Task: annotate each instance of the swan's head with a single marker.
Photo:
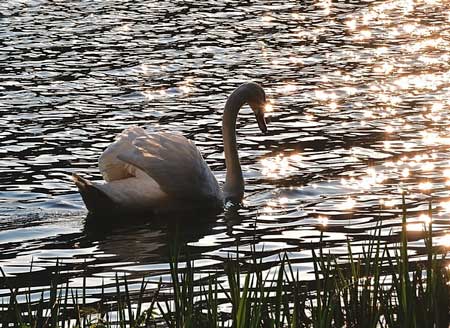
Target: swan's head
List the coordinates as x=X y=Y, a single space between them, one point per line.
x=257 y=101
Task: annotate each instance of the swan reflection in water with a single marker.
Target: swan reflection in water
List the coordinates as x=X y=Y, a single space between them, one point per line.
x=141 y=246
x=148 y=242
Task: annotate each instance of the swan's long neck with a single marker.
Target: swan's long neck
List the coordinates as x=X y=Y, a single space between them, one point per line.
x=234 y=182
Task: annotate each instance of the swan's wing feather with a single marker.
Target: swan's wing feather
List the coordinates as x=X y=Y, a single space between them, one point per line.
x=175 y=163
x=110 y=166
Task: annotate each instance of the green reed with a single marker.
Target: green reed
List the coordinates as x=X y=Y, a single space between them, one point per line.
x=378 y=287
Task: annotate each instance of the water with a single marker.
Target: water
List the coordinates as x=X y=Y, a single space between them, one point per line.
x=360 y=92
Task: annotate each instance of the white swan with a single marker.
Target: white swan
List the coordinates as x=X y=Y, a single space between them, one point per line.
x=163 y=171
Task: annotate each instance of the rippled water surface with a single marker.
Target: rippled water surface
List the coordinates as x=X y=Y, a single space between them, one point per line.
x=360 y=92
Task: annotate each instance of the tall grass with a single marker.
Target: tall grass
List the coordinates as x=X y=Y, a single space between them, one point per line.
x=377 y=288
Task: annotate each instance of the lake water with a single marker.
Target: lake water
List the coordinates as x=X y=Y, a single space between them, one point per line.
x=360 y=92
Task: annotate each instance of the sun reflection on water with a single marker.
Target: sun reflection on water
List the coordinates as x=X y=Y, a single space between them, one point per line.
x=268 y=108
x=280 y=165
x=348 y=204
x=425 y=186
x=425 y=218
x=361 y=106
x=323 y=220
x=445 y=241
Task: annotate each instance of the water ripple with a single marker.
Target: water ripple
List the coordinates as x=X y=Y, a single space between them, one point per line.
x=359 y=90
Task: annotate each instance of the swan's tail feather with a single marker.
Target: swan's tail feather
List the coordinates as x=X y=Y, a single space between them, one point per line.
x=95 y=199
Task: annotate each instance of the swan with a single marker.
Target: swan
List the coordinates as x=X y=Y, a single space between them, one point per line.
x=164 y=171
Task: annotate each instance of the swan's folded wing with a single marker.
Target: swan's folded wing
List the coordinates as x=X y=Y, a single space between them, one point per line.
x=110 y=166
x=176 y=165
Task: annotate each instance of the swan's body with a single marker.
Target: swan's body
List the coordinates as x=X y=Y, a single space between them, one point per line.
x=162 y=171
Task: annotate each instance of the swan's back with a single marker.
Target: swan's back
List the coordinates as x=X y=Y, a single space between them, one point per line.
x=175 y=163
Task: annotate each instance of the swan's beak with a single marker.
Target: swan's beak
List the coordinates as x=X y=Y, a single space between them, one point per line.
x=261 y=121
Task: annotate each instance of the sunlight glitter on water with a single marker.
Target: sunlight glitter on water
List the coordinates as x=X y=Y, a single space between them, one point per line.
x=415 y=227
x=360 y=93
x=425 y=186
x=280 y=165
x=348 y=204
x=425 y=218
x=445 y=241
x=323 y=220
x=268 y=108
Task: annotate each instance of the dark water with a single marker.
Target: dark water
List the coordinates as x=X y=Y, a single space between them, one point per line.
x=360 y=92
